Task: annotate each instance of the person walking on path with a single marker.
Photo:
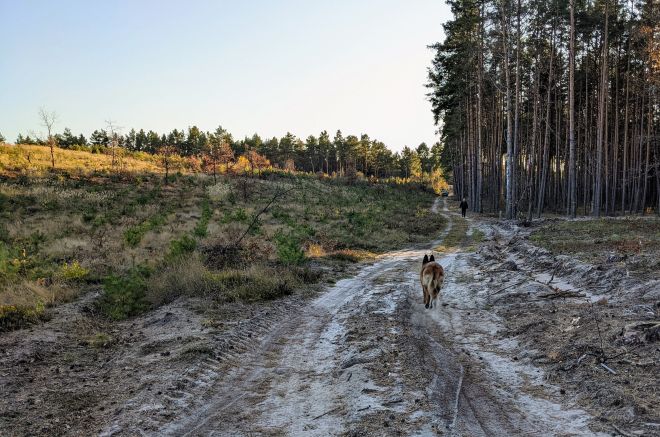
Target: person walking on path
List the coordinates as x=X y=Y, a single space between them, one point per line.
x=464 y=207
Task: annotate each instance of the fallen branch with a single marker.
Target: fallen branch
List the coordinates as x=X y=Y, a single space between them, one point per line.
x=553 y=274
x=581 y=358
x=392 y=402
x=622 y=432
x=558 y=293
x=327 y=412
x=603 y=365
x=594 y=312
x=357 y=360
x=509 y=286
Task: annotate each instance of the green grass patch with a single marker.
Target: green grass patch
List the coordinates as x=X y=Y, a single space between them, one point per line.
x=477 y=236
x=456 y=237
x=134 y=234
x=238 y=215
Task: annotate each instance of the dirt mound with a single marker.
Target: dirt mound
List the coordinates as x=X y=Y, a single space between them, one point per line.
x=593 y=328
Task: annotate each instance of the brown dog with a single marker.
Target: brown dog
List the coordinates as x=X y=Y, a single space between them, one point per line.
x=431 y=277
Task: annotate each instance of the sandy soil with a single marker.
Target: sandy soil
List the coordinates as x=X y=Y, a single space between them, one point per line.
x=499 y=356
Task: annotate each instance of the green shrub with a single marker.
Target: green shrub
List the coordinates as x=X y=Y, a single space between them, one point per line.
x=200 y=230
x=236 y=216
x=4 y=233
x=133 y=235
x=124 y=296
x=288 y=248
x=181 y=246
x=72 y=272
x=12 y=262
x=356 y=219
x=88 y=216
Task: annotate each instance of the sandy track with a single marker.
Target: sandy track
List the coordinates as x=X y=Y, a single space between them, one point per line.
x=366 y=358
x=362 y=358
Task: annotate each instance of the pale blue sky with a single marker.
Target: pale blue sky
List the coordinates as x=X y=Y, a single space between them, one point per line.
x=251 y=66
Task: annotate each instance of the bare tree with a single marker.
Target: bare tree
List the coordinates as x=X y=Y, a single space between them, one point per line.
x=113 y=131
x=166 y=153
x=48 y=119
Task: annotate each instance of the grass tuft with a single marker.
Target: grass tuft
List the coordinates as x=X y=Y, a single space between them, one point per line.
x=16 y=317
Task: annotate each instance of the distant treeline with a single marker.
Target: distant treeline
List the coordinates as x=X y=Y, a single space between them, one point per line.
x=337 y=155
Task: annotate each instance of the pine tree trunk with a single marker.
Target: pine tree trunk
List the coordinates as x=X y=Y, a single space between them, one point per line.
x=546 y=138
x=601 y=124
x=516 y=122
x=648 y=155
x=532 y=153
x=572 y=176
x=509 y=122
x=477 y=198
x=624 y=176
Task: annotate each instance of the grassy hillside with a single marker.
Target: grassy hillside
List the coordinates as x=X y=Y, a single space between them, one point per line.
x=37 y=160
x=142 y=243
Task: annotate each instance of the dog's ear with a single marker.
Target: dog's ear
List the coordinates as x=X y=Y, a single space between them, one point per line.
x=425 y=260
x=432 y=259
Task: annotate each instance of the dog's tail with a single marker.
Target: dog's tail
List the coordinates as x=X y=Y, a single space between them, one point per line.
x=432 y=279
x=428 y=279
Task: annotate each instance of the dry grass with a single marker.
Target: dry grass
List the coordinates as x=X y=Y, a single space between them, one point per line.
x=25 y=293
x=182 y=277
x=36 y=160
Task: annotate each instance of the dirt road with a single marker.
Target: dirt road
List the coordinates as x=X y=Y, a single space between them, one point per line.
x=495 y=357
x=366 y=358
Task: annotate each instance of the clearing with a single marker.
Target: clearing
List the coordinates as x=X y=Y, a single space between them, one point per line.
x=524 y=342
